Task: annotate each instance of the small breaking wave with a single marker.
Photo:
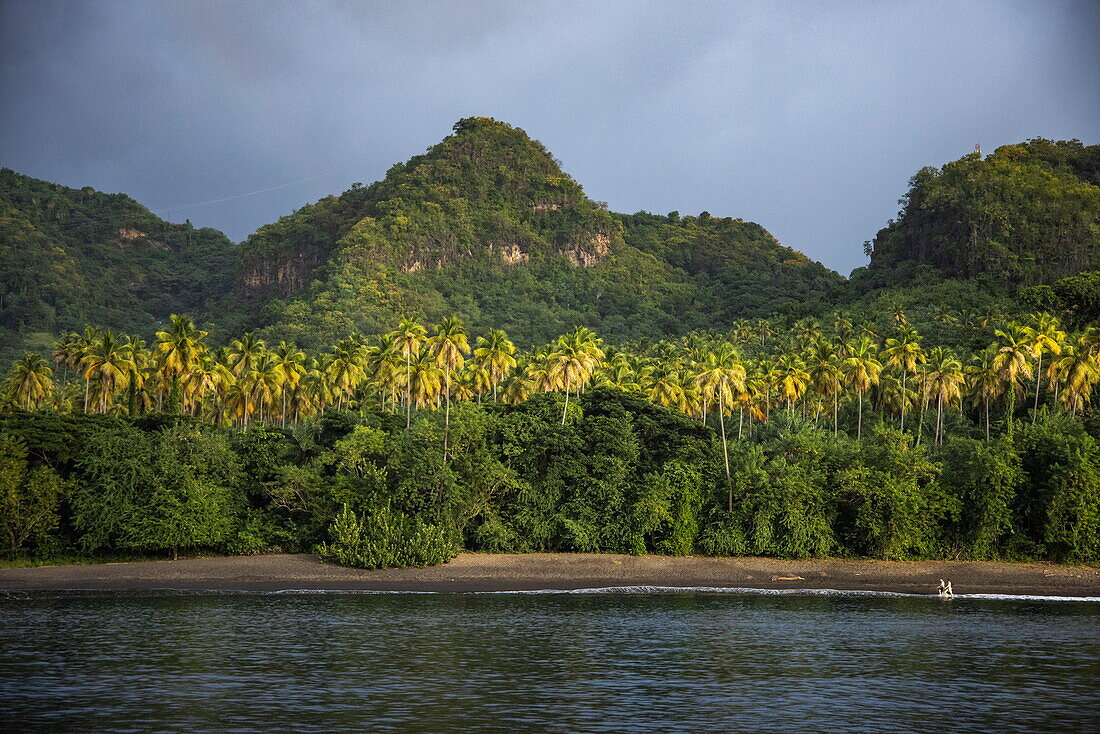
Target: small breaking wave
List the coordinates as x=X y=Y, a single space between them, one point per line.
x=637 y=590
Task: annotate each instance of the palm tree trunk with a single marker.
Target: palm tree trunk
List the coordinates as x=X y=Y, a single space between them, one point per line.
x=408 y=391
x=836 y=408
x=740 y=421
x=904 y=374
x=1009 y=416
x=1038 y=376
x=447 y=415
x=939 y=420
x=987 y=418
x=920 y=425
x=566 y=408
x=859 y=422
x=725 y=450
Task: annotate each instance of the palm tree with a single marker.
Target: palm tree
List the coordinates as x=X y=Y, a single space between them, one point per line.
x=763 y=330
x=316 y=391
x=383 y=366
x=574 y=361
x=178 y=348
x=862 y=369
x=494 y=354
x=892 y=393
x=449 y=346
x=73 y=353
x=346 y=369
x=666 y=387
x=517 y=386
x=30 y=381
x=265 y=383
x=904 y=352
x=723 y=376
x=842 y=325
x=617 y=373
x=985 y=381
x=109 y=362
x=409 y=337
x=243 y=354
x=944 y=382
x=1078 y=371
x=68 y=351
x=205 y=378
x=1012 y=363
x=826 y=371
x=792 y=379
x=1046 y=335
x=142 y=368
x=290 y=360
x=741 y=331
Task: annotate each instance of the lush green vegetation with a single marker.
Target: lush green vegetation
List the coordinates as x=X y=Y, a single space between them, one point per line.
x=69 y=257
x=794 y=439
x=1027 y=214
x=487 y=227
x=747 y=400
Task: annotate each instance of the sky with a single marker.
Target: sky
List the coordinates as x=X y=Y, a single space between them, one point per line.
x=808 y=118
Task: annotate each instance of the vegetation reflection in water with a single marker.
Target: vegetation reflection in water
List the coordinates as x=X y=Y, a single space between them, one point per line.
x=400 y=662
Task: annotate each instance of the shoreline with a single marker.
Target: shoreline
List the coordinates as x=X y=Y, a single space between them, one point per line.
x=480 y=572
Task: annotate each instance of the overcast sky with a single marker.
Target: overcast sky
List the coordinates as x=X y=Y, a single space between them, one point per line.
x=808 y=118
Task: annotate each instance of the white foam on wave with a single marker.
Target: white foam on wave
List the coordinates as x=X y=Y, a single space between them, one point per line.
x=607 y=590
x=747 y=591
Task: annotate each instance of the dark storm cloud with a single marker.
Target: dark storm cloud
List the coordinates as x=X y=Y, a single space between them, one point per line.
x=808 y=118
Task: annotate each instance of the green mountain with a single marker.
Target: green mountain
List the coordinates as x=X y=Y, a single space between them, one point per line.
x=1024 y=215
x=486 y=225
x=70 y=257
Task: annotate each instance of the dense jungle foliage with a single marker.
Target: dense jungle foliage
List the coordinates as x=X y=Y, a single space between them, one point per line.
x=747 y=400
x=622 y=475
x=70 y=257
x=1027 y=214
x=486 y=226
x=810 y=438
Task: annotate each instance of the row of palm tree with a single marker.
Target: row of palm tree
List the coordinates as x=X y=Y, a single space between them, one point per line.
x=808 y=369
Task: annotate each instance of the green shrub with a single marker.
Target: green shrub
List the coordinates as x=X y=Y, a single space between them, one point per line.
x=386 y=539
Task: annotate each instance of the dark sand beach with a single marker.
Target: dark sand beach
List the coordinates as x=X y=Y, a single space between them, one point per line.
x=507 y=572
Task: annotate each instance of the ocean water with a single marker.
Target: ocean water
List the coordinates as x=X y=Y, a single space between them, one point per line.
x=646 y=661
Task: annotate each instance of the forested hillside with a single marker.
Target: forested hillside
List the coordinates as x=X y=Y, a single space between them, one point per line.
x=1026 y=214
x=488 y=227
x=70 y=257
x=472 y=354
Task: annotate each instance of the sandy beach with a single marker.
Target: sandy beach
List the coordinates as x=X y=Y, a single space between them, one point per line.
x=506 y=572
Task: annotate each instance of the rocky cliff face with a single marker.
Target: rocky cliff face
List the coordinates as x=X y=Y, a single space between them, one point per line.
x=276 y=275
x=487 y=190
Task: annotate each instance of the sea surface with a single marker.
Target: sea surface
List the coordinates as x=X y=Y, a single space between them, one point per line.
x=557 y=662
